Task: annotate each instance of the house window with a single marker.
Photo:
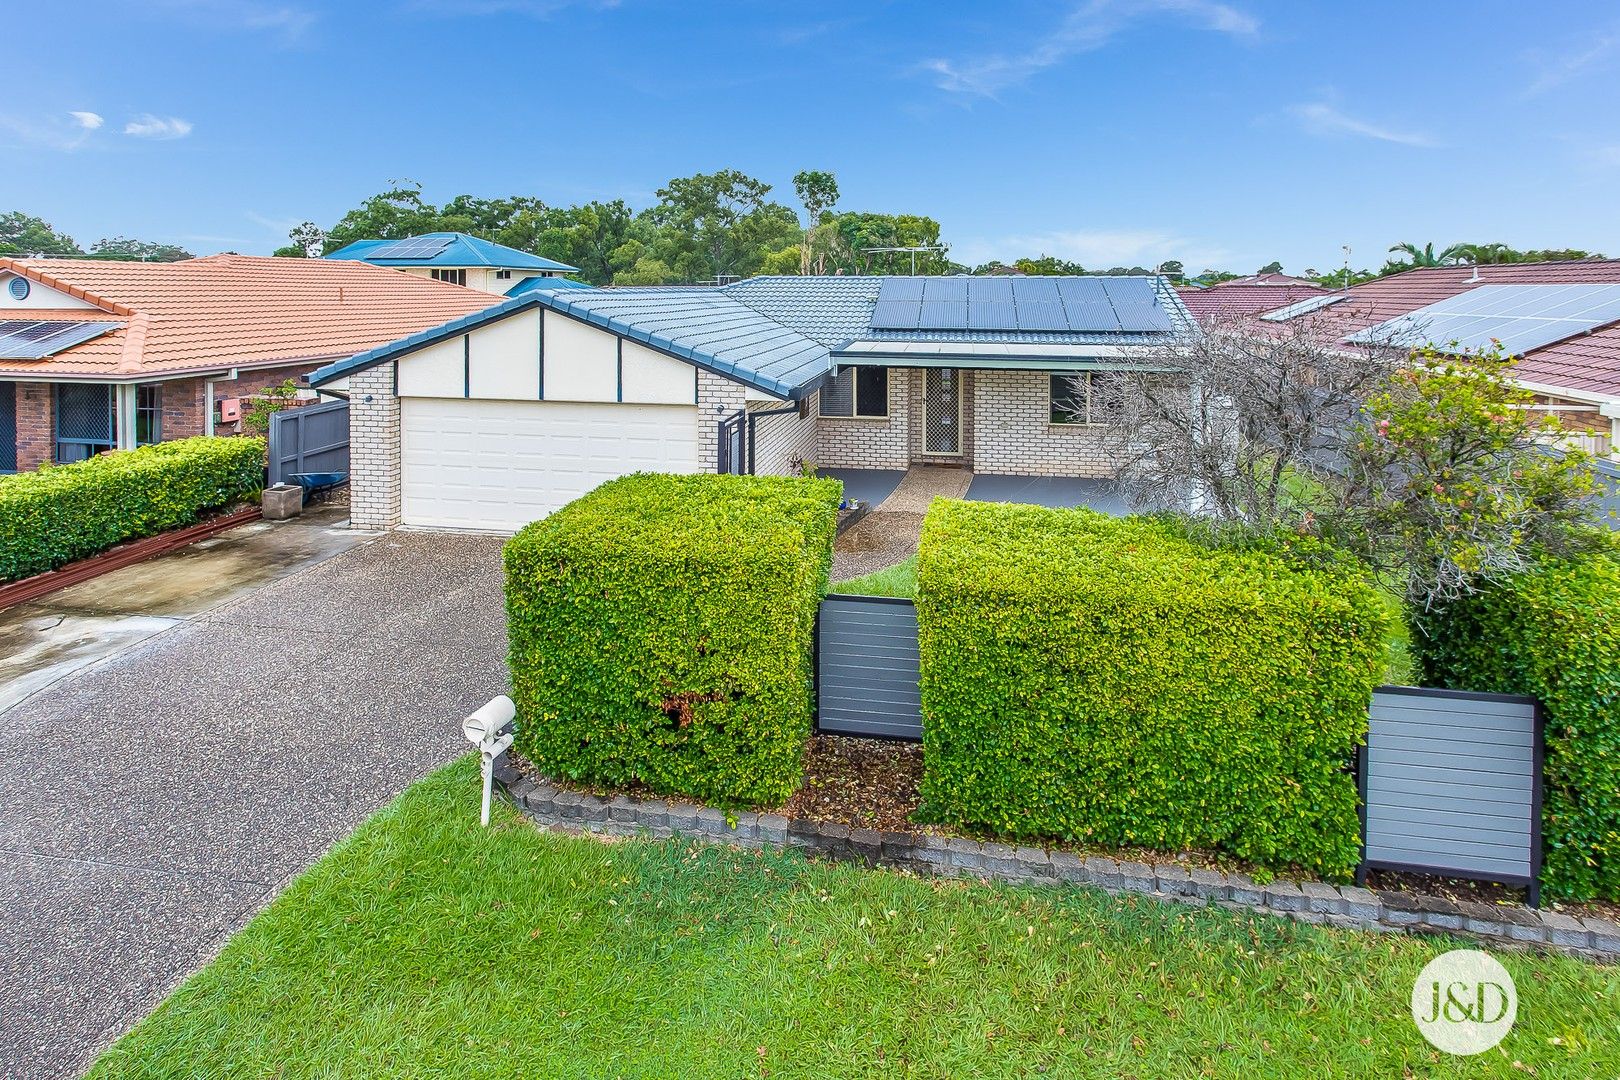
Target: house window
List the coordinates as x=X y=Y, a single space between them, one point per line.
x=503 y=275
x=860 y=391
x=454 y=277
x=148 y=414
x=1084 y=397
x=84 y=421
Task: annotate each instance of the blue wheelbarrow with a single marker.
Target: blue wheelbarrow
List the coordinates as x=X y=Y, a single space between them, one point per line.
x=315 y=482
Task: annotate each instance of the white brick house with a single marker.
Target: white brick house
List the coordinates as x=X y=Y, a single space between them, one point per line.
x=498 y=418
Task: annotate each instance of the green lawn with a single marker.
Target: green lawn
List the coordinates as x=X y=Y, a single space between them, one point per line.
x=424 y=946
x=897 y=580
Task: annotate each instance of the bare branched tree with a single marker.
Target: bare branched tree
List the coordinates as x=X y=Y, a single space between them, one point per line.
x=1242 y=424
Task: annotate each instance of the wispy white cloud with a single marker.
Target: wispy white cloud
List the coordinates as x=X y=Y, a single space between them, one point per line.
x=1322 y=118
x=1098 y=249
x=59 y=131
x=1565 y=67
x=147 y=126
x=1088 y=27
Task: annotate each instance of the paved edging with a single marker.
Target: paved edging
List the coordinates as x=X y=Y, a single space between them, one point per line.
x=957 y=856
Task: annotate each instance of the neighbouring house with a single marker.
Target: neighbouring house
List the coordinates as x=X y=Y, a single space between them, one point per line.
x=1243 y=297
x=463 y=260
x=1562 y=319
x=495 y=419
x=99 y=355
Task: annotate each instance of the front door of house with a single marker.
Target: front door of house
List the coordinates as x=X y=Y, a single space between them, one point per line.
x=942 y=411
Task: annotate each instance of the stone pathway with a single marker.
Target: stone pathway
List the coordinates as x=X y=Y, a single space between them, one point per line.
x=888 y=535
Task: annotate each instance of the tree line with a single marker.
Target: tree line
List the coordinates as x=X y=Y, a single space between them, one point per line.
x=703 y=227
x=25 y=235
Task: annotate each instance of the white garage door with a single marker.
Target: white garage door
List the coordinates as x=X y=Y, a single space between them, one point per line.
x=498 y=465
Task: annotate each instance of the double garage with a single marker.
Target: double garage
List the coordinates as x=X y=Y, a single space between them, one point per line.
x=503 y=424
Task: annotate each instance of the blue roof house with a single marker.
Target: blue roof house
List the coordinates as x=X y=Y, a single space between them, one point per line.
x=493 y=420
x=463 y=260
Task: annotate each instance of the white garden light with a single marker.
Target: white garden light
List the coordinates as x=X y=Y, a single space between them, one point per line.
x=484 y=730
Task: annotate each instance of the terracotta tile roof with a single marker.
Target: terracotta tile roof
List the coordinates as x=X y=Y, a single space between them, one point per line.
x=1587 y=364
x=1231 y=300
x=235 y=311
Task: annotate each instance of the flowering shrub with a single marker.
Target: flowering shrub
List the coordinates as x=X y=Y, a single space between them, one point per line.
x=1451 y=482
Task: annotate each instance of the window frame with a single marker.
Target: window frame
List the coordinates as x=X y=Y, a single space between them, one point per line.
x=153 y=412
x=1052 y=398
x=453 y=276
x=854 y=373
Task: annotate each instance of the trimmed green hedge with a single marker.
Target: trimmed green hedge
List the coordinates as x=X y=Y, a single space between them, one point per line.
x=1112 y=681
x=661 y=633
x=60 y=513
x=1553 y=634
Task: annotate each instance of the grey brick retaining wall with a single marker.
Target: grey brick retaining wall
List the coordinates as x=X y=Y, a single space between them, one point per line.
x=1346 y=906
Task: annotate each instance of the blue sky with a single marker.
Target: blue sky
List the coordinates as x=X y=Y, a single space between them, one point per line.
x=1221 y=133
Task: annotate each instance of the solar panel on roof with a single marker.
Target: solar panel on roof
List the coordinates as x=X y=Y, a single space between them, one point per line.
x=1140 y=318
x=1128 y=290
x=998 y=314
x=989 y=290
x=1303 y=307
x=1520 y=317
x=417 y=247
x=945 y=289
x=34 y=339
x=1041 y=315
x=896 y=314
x=900 y=288
x=1035 y=288
x=943 y=314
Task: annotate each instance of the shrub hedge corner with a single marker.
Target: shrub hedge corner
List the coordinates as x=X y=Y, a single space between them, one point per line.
x=661 y=633
x=60 y=513
x=1112 y=681
x=1554 y=635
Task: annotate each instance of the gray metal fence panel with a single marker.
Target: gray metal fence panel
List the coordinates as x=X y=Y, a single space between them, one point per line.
x=1451 y=784
x=311 y=439
x=867 y=669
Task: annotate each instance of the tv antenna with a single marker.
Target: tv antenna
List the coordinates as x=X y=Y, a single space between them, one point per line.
x=913 y=250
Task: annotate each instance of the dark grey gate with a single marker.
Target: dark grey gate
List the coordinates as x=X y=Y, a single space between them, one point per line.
x=867 y=670
x=1451 y=784
x=733 y=447
x=311 y=439
x=8 y=427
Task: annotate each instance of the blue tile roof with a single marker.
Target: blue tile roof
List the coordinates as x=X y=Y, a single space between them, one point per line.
x=778 y=334
x=463 y=250
x=530 y=284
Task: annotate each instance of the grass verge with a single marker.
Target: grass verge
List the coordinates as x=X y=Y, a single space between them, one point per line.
x=897 y=580
x=423 y=945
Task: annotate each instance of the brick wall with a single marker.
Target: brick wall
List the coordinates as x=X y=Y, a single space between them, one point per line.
x=35 y=425
x=869 y=443
x=185 y=409
x=779 y=440
x=717 y=399
x=374 y=455
x=1013 y=433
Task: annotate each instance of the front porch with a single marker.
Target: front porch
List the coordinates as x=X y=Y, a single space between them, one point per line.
x=875 y=486
x=990 y=422
x=900 y=498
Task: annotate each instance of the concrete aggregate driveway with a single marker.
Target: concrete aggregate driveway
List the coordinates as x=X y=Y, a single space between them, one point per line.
x=152 y=801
